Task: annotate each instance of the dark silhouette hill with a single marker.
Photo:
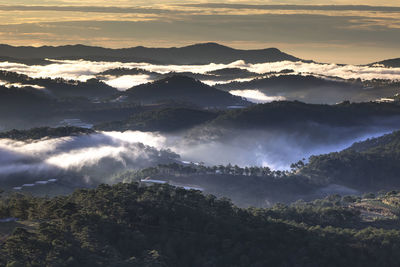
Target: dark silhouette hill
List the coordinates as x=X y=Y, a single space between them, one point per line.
x=194 y=54
x=285 y=113
x=19 y=107
x=26 y=61
x=182 y=89
x=118 y=72
x=370 y=165
x=237 y=72
x=393 y=63
x=23 y=99
x=168 y=120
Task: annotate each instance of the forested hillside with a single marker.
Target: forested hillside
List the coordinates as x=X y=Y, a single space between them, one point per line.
x=44 y=132
x=60 y=87
x=369 y=165
x=288 y=113
x=167 y=119
x=129 y=225
x=183 y=89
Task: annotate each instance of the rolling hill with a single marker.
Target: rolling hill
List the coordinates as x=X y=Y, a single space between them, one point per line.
x=182 y=89
x=166 y=119
x=369 y=165
x=280 y=113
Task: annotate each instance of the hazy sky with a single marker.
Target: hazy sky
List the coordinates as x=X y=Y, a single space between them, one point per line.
x=318 y=30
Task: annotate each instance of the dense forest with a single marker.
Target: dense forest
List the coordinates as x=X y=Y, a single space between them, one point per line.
x=292 y=112
x=165 y=119
x=249 y=186
x=367 y=165
x=44 y=132
x=160 y=225
x=285 y=115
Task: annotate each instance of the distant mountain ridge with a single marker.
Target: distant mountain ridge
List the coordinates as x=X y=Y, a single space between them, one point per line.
x=393 y=63
x=203 y=53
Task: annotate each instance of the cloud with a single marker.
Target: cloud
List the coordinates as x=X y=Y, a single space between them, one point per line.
x=127 y=81
x=297 y=7
x=214 y=82
x=83 y=70
x=88 y=9
x=335 y=70
x=277 y=147
x=256 y=96
x=95 y=158
x=18 y=85
x=76 y=70
x=146 y=138
x=101 y=153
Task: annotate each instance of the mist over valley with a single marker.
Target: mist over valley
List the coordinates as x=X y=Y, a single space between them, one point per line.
x=204 y=142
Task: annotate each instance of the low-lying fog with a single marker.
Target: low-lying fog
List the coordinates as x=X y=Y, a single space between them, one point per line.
x=256 y=96
x=83 y=70
x=277 y=149
x=105 y=153
x=99 y=155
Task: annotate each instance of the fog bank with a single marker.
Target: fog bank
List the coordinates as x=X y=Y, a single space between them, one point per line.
x=83 y=70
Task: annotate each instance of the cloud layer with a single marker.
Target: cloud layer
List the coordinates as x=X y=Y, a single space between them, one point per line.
x=256 y=96
x=83 y=70
x=99 y=155
x=91 y=159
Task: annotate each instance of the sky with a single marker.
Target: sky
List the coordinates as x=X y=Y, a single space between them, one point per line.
x=336 y=31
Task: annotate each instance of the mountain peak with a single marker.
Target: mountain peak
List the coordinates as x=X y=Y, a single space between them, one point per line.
x=184 y=89
x=208 y=45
